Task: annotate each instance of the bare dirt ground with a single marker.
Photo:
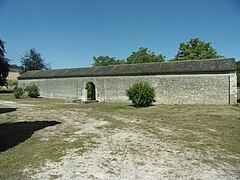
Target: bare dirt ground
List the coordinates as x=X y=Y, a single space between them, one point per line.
x=117 y=151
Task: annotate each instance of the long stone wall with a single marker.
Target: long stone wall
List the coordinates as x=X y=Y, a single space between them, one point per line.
x=170 y=89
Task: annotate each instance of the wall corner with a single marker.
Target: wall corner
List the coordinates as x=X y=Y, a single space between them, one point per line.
x=233 y=88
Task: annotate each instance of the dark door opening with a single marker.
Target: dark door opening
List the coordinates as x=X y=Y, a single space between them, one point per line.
x=91 y=91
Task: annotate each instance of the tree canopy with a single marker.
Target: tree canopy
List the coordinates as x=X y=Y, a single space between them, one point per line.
x=106 y=61
x=32 y=60
x=196 y=49
x=4 y=65
x=143 y=55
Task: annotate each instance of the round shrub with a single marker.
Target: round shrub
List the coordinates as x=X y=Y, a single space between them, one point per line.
x=141 y=94
x=32 y=91
x=18 y=92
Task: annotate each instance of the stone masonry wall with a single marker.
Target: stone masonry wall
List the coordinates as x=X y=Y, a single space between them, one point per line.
x=170 y=89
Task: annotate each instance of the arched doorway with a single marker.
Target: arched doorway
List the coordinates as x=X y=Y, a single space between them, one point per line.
x=91 y=91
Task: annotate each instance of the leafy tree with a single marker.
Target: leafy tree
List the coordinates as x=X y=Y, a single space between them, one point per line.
x=238 y=73
x=106 y=61
x=143 y=55
x=4 y=65
x=32 y=60
x=196 y=49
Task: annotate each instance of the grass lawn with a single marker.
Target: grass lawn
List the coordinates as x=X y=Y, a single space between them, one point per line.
x=50 y=128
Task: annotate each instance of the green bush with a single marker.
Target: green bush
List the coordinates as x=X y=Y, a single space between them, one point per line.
x=32 y=90
x=141 y=94
x=18 y=92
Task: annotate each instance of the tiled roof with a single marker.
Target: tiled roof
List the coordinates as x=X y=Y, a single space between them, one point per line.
x=172 y=67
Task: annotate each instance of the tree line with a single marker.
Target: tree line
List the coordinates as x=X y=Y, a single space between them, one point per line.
x=194 y=49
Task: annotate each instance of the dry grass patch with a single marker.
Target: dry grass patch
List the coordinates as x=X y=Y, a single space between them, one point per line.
x=108 y=137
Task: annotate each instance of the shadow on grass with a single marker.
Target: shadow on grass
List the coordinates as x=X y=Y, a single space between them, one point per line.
x=7 y=110
x=151 y=105
x=6 y=91
x=11 y=134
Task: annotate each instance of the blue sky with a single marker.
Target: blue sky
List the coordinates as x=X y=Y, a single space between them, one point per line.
x=68 y=33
